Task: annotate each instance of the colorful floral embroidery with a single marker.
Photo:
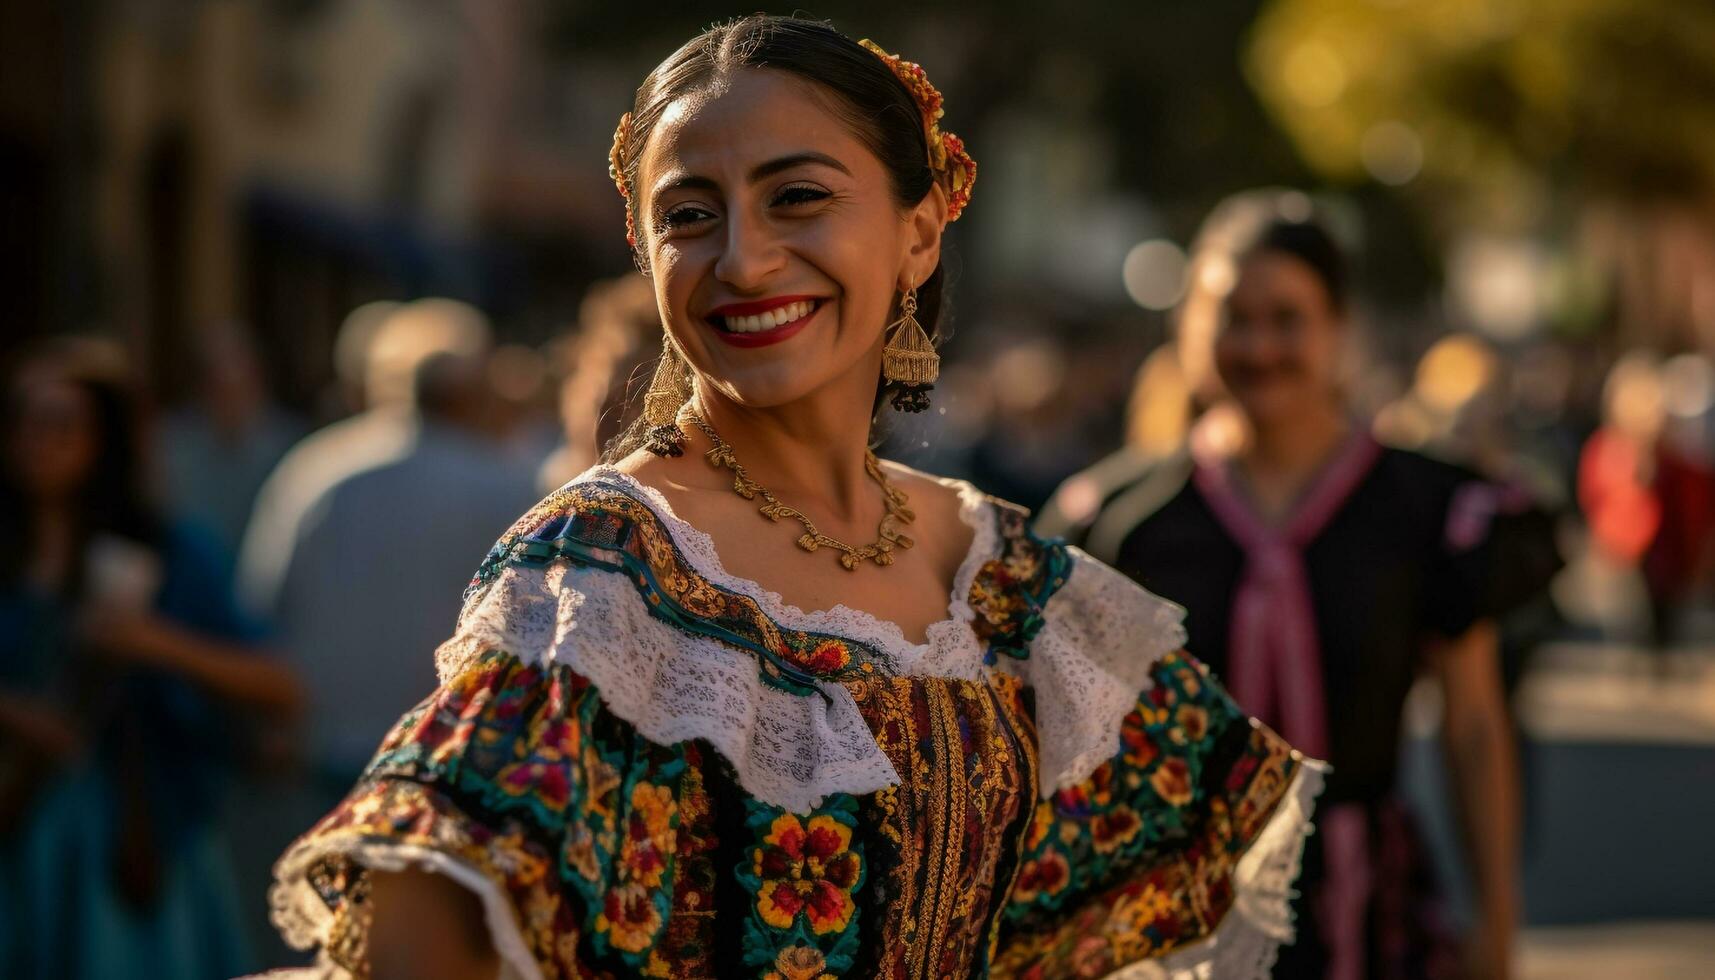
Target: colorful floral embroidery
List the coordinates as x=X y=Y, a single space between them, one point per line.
x=605 y=843
x=1170 y=815
x=801 y=875
x=1010 y=592
x=600 y=838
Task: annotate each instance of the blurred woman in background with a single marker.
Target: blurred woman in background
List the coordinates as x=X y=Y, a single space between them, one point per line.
x=122 y=662
x=1322 y=573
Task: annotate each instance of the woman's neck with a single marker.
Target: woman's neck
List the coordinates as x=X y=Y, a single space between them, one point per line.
x=810 y=451
x=1279 y=460
x=1297 y=443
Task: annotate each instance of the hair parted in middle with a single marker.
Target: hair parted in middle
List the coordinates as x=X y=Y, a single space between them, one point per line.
x=888 y=104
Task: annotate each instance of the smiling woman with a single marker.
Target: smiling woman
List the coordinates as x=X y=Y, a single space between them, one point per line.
x=672 y=739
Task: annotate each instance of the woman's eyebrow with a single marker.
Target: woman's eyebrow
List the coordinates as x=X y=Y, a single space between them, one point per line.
x=762 y=171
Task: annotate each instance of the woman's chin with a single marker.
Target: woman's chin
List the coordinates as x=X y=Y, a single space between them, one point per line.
x=1272 y=404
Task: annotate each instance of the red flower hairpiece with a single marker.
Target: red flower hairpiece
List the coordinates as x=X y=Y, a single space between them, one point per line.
x=952 y=166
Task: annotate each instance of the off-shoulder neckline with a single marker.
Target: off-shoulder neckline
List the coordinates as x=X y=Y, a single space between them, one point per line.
x=976 y=510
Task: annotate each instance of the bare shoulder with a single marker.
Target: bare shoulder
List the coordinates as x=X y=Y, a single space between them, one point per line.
x=641 y=464
x=931 y=496
x=938 y=503
x=673 y=476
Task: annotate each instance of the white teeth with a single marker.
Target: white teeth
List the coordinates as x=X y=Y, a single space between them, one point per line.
x=768 y=321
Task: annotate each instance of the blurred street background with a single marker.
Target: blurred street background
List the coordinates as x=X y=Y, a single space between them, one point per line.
x=347 y=250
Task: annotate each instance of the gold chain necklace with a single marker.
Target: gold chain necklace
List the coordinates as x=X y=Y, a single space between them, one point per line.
x=889 y=535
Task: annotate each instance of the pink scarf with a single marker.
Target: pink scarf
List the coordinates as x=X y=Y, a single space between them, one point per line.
x=1274 y=664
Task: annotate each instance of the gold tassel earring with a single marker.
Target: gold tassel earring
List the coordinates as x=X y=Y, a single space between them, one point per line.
x=909 y=359
x=669 y=390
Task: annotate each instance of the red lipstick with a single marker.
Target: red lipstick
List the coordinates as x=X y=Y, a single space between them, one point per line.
x=762 y=338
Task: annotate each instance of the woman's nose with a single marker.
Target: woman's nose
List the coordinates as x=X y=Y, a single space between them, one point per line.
x=750 y=253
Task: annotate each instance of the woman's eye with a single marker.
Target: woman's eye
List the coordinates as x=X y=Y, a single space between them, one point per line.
x=685 y=214
x=799 y=194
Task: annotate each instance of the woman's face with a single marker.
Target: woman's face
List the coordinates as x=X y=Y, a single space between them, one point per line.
x=54 y=437
x=774 y=240
x=1279 y=339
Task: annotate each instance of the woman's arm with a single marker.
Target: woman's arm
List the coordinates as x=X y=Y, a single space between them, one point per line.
x=426 y=926
x=228 y=671
x=1484 y=765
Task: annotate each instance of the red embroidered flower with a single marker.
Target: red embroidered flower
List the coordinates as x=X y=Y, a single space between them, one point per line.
x=1114 y=829
x=1140 y=748
x=826 y=657
x=630 y=918
x=1172 y=781
x=1193 y=720
x=1042 y=876
x=649 y=834
x=808 y=869
x=1241 y=772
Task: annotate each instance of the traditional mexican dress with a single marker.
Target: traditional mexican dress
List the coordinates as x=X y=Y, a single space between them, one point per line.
x=645 y=766
x=1320 y=623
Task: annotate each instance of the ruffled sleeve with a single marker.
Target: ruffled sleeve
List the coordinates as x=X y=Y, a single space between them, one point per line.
x=1491 y=546
x=1171 y=824
x=583 y=840
x=594 y=698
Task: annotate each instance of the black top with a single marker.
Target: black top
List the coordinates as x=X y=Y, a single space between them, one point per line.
x=1384 y=579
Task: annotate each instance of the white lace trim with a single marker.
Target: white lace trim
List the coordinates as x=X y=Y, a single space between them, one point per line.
x=1102 y=634
x=946 y=641
x=1087 y=666
x=789 y=750
x=1247 y=940
x=304 y=919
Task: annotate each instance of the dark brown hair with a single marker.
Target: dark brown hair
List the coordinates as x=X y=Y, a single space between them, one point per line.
x=860 y=89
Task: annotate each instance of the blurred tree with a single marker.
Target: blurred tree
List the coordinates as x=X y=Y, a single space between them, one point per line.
x=1588 y=120
x=1609 y=97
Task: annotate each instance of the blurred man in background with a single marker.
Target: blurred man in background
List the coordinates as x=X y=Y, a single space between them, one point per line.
x=350 y=562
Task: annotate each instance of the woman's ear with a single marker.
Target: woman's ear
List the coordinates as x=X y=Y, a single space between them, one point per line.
x=925 y=223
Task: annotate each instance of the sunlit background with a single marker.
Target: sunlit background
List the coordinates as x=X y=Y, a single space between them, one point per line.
x=1528 y=187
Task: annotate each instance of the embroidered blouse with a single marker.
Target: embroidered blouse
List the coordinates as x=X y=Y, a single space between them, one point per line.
x=645 y=766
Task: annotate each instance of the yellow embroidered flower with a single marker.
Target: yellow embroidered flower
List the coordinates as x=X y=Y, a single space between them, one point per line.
x=1045 y=875
x=630 y=918
x=1157 y=903
x=809 y=869
x=1114 y=829
x=1172 y=781
x=799 y=963
x=1126 y=927
x=1194 y=721
x=649 y=837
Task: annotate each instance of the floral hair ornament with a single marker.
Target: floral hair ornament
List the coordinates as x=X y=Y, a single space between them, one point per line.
x=952 y=166
x=616 y=170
